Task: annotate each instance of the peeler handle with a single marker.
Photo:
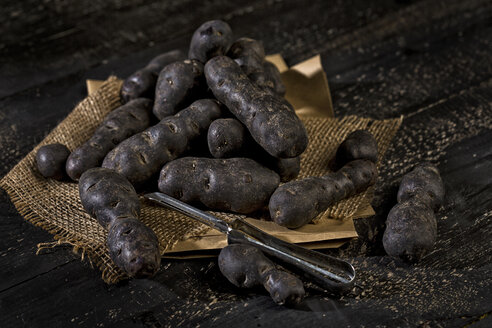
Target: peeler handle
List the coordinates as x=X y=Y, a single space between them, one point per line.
x=329 y=272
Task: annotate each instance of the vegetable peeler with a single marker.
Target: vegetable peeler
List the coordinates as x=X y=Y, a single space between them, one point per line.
x=326 y=271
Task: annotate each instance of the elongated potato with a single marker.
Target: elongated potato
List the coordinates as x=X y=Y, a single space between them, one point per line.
x=142 y=155
x=411 y=227
x=239 y=185
x=108 y=196
x=249 y=54
x=246 y=266
x=112 y=200
x=179 y=84
x=212 y=38
x=296 y=203
x=117 y=126
x=269 y=120
x=227 y=138
x=51 y=159
x=142 y=82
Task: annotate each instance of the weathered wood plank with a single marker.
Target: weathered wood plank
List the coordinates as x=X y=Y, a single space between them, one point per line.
x=18 y=246
x=68 y=37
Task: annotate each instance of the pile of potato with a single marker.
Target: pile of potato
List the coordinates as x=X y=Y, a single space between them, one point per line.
x=212 y=128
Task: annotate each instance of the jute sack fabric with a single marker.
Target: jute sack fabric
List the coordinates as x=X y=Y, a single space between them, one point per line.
x=55 y=206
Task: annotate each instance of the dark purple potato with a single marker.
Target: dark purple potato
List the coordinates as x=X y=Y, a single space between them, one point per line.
x=51 y=159
x=411 y=227
x=139 y=84
x=226 y=137
x=246 y=266
x=297 y=203
x=178 y=85
x=287 y=168
x=411 y=230
x=112 y=200
x=239 y=185
x=134 y=247
x=143 y=155
x=142 y=82
x=118 y=125
x=359 y=144
x=273 y=78
x=249 y=55
x=108 y=196
x=271 y=122
x=212 y=38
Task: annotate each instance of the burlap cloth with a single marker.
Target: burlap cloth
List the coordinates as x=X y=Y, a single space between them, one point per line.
x=55 y=206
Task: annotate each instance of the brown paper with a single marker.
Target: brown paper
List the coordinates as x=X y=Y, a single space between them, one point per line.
x=308 y=91
x=327 y=234
x=93 y=85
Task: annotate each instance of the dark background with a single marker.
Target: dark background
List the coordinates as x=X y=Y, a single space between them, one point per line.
x=427 y=60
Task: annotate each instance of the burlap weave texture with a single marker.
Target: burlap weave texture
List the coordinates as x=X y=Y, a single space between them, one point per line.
x=55 y=206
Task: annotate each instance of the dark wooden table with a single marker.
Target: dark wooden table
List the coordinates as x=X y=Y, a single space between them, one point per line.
x=430 y=61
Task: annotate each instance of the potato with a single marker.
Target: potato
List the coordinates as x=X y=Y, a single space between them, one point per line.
x=157 y=63
x=227 y=138
x=269 y=120
x=107 y=196
x=117 y=126
x=236 y=184
x=411 y=227
x=411 y=230
x=212 y=38
x=287 y=168
x=50 y=160
x=139 y=84
x=246 y=266
x=359 y=144
x=112 y=200
x=273 y=78
x=134 y=247
x=142 y=82
x=179 y=84
x=142 y=155
x=249 y=54
x=297 y=203
x=424 y=181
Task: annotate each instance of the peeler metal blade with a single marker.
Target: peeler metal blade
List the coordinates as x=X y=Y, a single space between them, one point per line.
x=328 y=272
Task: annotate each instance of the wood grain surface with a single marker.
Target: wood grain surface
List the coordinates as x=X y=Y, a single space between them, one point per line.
x=430 y=61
